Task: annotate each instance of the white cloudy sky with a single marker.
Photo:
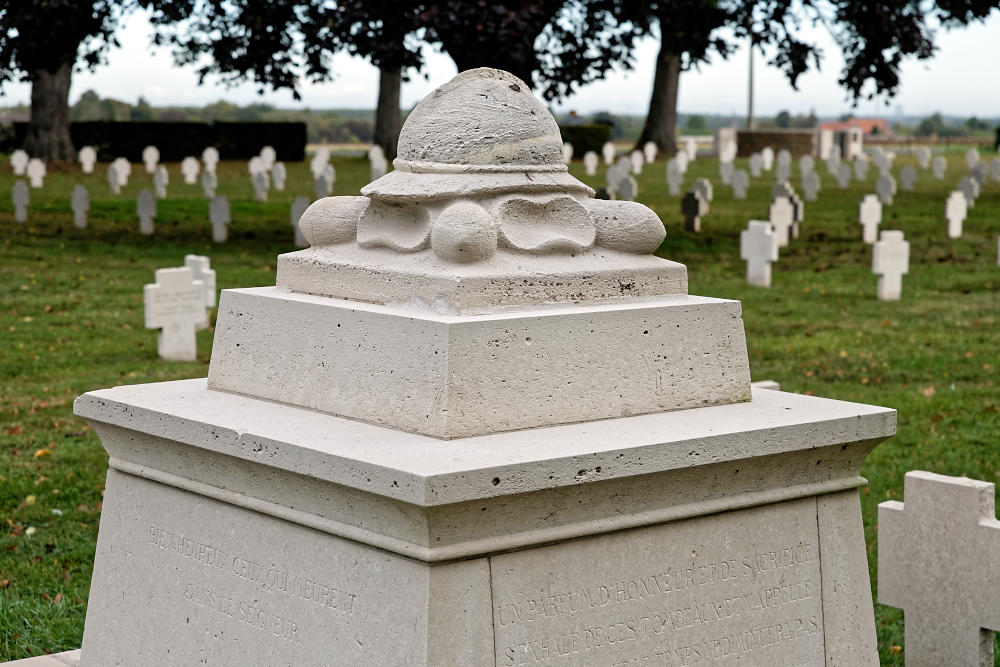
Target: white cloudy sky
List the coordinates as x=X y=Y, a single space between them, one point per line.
x=954 y=82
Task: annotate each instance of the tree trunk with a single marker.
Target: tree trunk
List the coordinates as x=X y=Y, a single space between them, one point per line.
x=661 y=121
x=388 y=117
x=48 y=133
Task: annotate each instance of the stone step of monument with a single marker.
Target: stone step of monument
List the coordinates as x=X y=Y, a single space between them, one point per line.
x=63 y=659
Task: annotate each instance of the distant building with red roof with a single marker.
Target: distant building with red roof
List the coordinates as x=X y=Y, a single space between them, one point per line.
x=868 y=126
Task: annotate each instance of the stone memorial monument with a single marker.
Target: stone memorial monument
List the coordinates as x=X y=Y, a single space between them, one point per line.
x=174 y=304
x=299 y=206
x=190 y=169
x=145 y=208
x=937 y=562
x=218 y=215
x=590 y=162
x=870 y=217
x=87 y=157
x=20 y=197
x=80 y=203
x=478 y=423
x=758 y=248
x=890 y=262
x=201 y=270
x=19 y=162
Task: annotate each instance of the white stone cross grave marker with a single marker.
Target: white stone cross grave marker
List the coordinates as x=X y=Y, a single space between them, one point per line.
x=693 y=206
x=175 y=304
x=299 y=206
x=955 y=210
x=691 y=148
x=590 y=161
x=19 y=162
x=261 y=183
x=636 y=160
x=727 y=152
x=268 y=155
x=939 y=165
x=674 y=177
x=218 y=214
x=331 y=176
x=806 y=164
x=908 y=177
x=21 y=198
x=649 y=151
x=890 y=262
x=924 y=157
x=36 y=172
x=145 y=208
x=608 y=151
x=703 y=187
x=726 y=173
x=756 y=162
x=321 y=185
x=860 y=168
x=278 y=176
x=758 y=248
x=870 y=217
x=682 y=161
x=785 y=157
x=843 y=176
x=378 y=166
x=161 y=179
x=782 y=171
x=616 y=174
x=627 y=188
x=979 y=172
x=767 y=158
x=781 y=215
x=375 y=152
x=971 y=157
x=208 y=183
x=970 y=188
x=937 y=561
x=114 y=183
x=740 y=183
x=567 y=152
x=80 y=203
x=202 y=270
x=150 y=158
x=885 y=186
x=87 y=157
x=810 y=185
x=255 y=165
x=124 y=170
x=190 y=169
x=210 y=156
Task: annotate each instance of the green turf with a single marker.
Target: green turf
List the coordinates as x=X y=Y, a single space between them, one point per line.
x=71 y=321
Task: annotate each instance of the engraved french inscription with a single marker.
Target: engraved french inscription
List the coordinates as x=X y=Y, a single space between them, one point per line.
x=740 y=588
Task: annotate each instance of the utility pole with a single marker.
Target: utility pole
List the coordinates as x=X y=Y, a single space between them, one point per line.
x=750 y=121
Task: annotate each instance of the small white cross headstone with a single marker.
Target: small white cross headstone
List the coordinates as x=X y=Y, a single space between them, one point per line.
x=995 y=169
x=682 y=161
x=218 y=214
x=636 y=160
x=843 y=176
x=175 y=304
x=627 y=189
x=375 y=152
x=740 y=183
x=36 y=172
x=970 y=188
x=608 y=151
x=758 y=248
x=261 y=183
x=703 y=187
x=727 y=152
x=691 y=148
x=615 y=174
x=331 y=176
x=693 y=207
x=939 y=165
x=19 y=162
x=151 y=158
x=924 y=157
x=114 y=183
x=971 y=157
x=208 y=183
x=319 y=160
x=908 y=177
x=161 y=179
x=782 y=171
x=378 y=166
x=87 y=157
x=767 y=158
x=255 y=165
x=145 y=208
x=955 y=210
x=785 y=157
x=322 y=186
x=21 y=198
x=567 y=152
x=781 y=215
x=756 y=162
x=124 y=170
x=80 y=203
x=885 y=186
x=649 y=151
x=201 y=269
x=937 y=554
x=726 y=172
x=890 y=262
x=278 y=175
x=870 y=217
x=806 y=164
x=810 y=185
x=299 y=206
x=190 y=168
x=674 y=177
x=210 y=156
x=860 y=168
x=268 y=155
x=590 y=161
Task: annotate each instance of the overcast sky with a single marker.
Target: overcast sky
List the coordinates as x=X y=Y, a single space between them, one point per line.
x=959 y=80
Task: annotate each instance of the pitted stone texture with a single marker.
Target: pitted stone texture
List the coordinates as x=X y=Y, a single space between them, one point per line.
x=481 y=117
x=450 y=376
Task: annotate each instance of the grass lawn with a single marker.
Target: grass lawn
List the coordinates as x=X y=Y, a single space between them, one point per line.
x=71 y=321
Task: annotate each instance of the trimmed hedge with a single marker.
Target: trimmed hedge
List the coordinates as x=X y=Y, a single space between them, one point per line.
x=585 y=138
x=177 y=140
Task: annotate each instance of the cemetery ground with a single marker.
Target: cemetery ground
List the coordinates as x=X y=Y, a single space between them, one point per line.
x=71 y=321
